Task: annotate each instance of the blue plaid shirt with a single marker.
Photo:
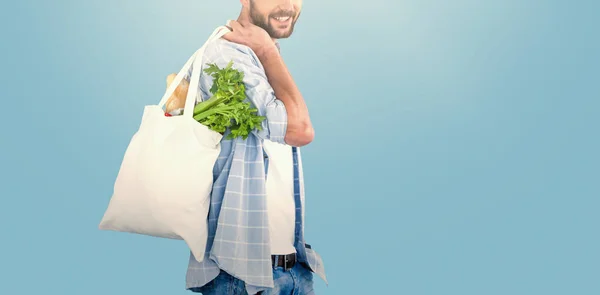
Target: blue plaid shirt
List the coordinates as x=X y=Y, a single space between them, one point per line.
x=238 y=240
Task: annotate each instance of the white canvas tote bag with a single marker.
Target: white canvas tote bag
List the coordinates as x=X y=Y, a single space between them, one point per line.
x=164 y=183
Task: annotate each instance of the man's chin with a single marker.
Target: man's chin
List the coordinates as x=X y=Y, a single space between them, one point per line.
x=281 y=33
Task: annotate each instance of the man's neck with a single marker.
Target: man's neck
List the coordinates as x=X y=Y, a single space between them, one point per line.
x=241 y=18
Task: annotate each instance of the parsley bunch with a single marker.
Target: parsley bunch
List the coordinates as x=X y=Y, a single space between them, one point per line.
x=226 y=108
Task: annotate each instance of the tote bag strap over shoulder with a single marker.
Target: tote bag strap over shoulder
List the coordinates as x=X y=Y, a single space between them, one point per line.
x=195 y=61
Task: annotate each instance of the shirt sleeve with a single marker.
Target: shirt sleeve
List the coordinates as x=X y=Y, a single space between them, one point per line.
x=259 y=92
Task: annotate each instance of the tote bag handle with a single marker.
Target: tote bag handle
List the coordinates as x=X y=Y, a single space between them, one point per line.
x=195 y=61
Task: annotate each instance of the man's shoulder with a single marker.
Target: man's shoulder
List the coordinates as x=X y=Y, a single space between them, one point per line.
x=222 y=48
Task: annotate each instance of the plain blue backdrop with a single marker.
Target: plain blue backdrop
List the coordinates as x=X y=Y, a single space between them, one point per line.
x=456 y=148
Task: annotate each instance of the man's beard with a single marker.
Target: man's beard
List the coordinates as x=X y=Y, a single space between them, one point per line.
x=263 y=22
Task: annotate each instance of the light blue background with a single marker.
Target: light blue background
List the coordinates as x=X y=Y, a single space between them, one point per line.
x=456 y=146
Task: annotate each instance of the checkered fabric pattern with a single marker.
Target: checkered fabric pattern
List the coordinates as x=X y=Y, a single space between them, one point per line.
x=238 y=240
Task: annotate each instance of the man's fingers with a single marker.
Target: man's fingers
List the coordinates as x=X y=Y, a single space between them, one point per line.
x=228 y=37
x=232 y=36
x=235 y=26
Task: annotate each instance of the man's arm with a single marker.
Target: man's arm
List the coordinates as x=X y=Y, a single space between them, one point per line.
x=299 y=129
x=259 y=92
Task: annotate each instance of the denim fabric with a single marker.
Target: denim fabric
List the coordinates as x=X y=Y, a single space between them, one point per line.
x=295 y=281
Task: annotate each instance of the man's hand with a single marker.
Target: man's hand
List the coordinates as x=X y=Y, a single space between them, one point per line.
x=299 y=131
x=255 y=37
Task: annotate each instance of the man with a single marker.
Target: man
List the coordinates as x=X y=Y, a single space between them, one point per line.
x=256 y=219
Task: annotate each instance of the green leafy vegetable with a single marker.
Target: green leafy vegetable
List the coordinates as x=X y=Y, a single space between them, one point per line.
x=227 y=108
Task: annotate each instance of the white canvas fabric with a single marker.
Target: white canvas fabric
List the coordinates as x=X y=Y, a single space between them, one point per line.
x=280 y=197
x=165 y=179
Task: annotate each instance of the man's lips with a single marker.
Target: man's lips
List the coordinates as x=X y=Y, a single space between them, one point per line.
x=282 y=19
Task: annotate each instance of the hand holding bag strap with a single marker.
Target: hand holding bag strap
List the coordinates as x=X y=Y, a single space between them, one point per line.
x=184 y=70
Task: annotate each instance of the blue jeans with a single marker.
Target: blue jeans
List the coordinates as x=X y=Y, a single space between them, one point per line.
x=295 y=281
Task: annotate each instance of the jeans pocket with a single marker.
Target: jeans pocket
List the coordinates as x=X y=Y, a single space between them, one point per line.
x=223 y=284
x=305 y=279
x=305 y=270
